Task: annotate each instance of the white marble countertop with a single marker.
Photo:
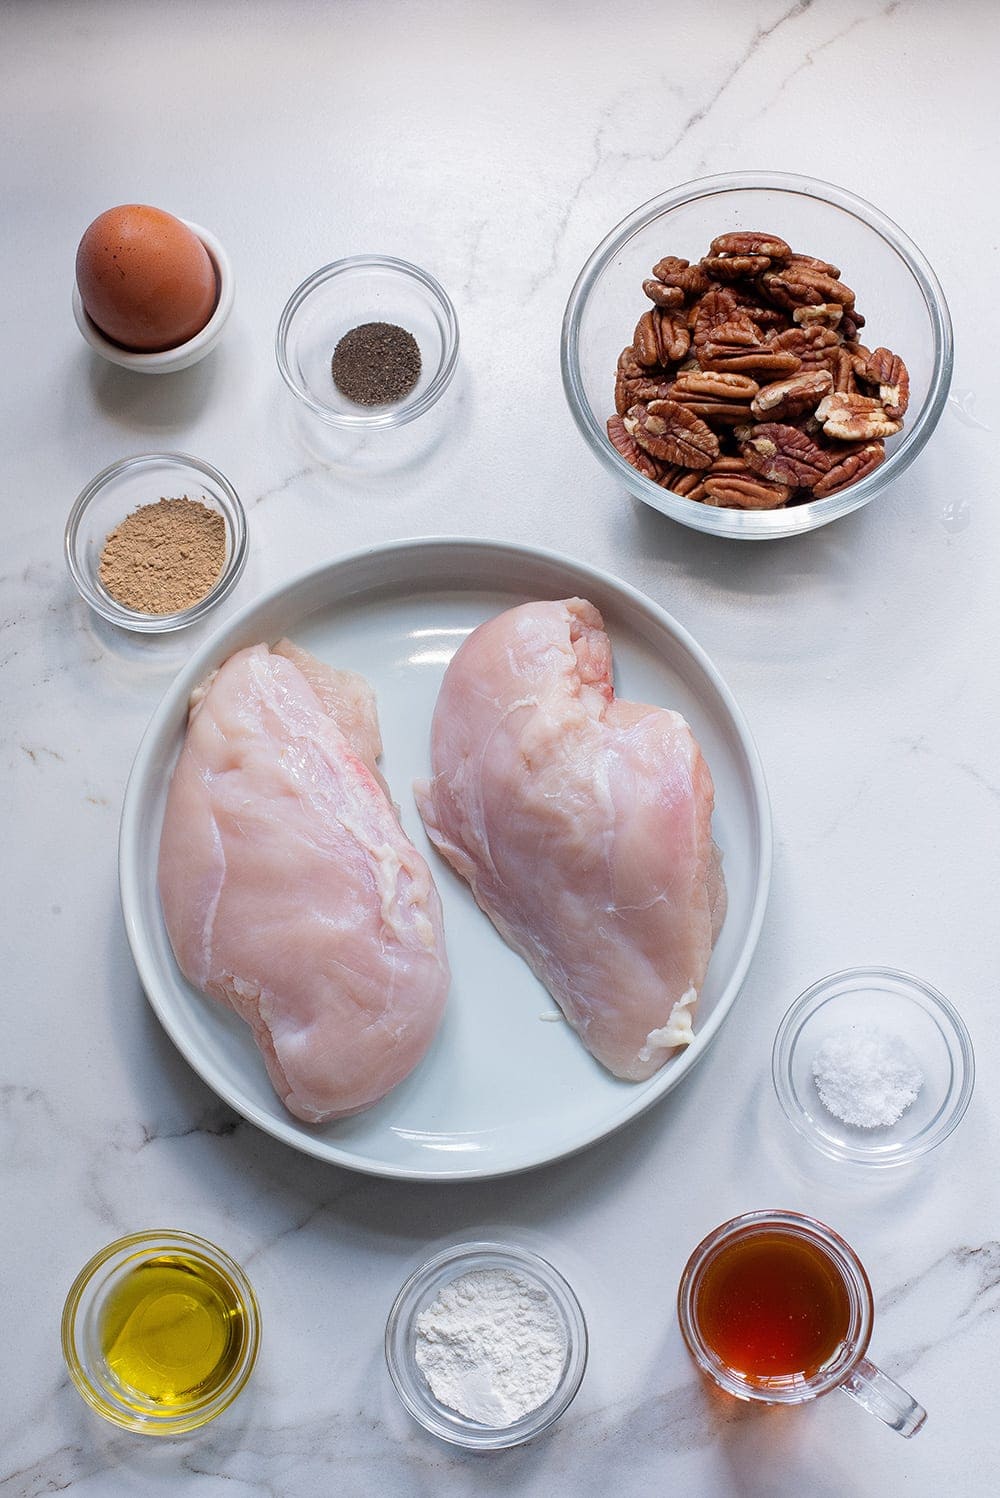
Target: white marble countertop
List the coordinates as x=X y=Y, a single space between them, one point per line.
x=496 y=146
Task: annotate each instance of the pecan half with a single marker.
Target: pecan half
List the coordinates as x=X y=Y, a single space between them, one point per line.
x=717 y=385
x=672 y=335
x=629 y=392
x=749 y=242
x=673 y=271
x=855 y=418
x=672 y=434
x=783 y=400
x=887 y=370
x=662 y=294
x=689 y=483
x=853 y=464
x=745 y=492
x=801 y=286
x=728 y=464
x=735 y=267
x=713 y=310
x=672 y=474
x=823 y=314
x=762 y=360
x=841 y=366
x=714 y=395
x=645 y=342
x=634 y=383
x=810 y=344
x=728 y=486
x=624 y=443
x=765 y=317
x=785 y=455
x=810 y=262
x=629 y=365
x=661 y=337
x=724 y=413
x=740 y=332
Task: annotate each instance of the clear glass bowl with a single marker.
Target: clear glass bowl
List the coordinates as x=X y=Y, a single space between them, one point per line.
x=896 y=290
x=124 y=487
x=83 y=1324
x=341 y=296
x=400 y=1344
x=168 y=361
x=897 y=1005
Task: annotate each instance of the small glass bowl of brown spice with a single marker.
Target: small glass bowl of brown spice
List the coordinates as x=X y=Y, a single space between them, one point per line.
x=368 y=342
x=155 y=541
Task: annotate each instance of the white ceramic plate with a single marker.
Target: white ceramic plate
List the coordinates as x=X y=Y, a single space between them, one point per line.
x=504 y=1087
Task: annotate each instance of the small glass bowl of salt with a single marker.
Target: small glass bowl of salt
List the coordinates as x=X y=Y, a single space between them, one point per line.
x=486 y=1345
x=873 y=1066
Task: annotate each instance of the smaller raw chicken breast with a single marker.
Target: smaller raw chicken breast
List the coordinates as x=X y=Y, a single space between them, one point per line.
x=583 y=825
x=289 y=889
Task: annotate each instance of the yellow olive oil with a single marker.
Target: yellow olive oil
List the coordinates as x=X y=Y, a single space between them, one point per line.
x=172 y=1331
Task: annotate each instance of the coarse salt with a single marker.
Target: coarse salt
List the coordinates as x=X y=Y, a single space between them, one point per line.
x=865 y=1077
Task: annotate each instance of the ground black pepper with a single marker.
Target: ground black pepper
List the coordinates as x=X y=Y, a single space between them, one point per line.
x=376 y=363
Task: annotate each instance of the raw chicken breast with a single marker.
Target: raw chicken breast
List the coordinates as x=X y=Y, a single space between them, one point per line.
x=289 y=889
x=583 y=825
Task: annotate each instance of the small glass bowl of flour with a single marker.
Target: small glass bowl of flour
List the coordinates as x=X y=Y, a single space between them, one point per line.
x=873 y=1066
x=486 y=1345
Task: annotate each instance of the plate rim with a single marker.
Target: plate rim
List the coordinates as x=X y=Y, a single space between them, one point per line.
x=207 y=655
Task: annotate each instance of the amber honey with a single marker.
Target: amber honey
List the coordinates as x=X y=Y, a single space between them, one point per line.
x=771 y=1305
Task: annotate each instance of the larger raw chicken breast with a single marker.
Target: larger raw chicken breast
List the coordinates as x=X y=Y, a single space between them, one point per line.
x=583 y=825
x=289 y=889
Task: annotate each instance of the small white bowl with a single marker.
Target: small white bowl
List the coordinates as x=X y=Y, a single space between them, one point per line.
x=167 y=361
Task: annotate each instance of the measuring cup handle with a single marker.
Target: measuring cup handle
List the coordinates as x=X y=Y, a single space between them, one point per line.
x=877 y=1394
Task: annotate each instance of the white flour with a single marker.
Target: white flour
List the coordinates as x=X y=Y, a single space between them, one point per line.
x=491 y=1346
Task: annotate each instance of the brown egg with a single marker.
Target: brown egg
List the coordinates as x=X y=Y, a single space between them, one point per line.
x=144 y=278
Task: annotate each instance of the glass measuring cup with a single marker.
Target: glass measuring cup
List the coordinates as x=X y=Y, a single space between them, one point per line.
x=714 y=1270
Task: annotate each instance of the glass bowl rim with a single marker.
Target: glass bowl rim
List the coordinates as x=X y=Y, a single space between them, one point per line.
x=179 y=355
x=406 y=410
x=151 y=1423
x=956 y=1036
x=399 y=1351
x=120 y=614
x=764 y=524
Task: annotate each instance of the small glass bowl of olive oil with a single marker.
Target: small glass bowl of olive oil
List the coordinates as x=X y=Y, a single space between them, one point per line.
x=160 y=1332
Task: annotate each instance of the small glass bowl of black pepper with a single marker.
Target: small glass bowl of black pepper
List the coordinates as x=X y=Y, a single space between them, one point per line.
x=873 y=1066
x=162 y=576
x=369 y=342
x=490 y=1345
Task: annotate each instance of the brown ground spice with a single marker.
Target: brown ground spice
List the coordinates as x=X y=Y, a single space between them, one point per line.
x=164 y=557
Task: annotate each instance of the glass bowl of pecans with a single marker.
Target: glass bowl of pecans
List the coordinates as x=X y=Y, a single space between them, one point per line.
x=756 y=354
